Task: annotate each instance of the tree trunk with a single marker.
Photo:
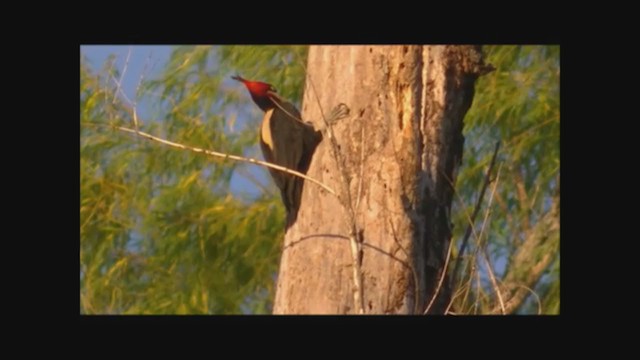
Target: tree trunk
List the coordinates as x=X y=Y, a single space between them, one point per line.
x=400 y=148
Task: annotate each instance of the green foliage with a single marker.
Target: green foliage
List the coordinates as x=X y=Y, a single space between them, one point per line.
x=161 y=231
x=518 y=104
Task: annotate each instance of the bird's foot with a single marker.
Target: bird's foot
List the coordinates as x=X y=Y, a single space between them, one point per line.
x=339 y=112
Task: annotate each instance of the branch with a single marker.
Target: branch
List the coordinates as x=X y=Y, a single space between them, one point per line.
x=465 y=240
x=536 y=253
x=362 y=146
x=118 y=83
x=481 y=248
x=494 y=282
x=226 y=156
x=442 y=276
x=124 y=70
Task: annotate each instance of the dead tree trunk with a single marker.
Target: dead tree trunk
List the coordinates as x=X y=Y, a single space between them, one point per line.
x=400 y=148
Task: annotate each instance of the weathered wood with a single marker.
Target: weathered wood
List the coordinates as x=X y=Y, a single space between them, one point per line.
x=401 y=145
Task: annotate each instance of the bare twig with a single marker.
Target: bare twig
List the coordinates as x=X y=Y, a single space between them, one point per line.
x=518 y=178
x=527 y=131
x=92 y=213
x=479 y=291
x=534 y=295
x=463 y=289
x=534 y=197
x=362 y=146
x=364 y=244
x=225 y=156
x=471 y=229
x=465 y=240
x=124 y=70
x=135 y=104
x=480 y=247
x=135 y=120
x=442 y=276
x=144 y=70
x=488 y=212
x=119 y=90
x=492 y=277
x=544 y=232
x=467 y=287
x=277 y=103
x=494 y=283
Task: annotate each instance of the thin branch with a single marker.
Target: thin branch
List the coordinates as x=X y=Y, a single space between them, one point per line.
x=362 y=146
x=135 y=120
x=480 y=248
x=535 y=196
x=488 y=212
x=465 y=240
x=479 y=292
x=92 y=213
x=144 y=70
x=473 y=269
x=364 y=244
x=494 y=283
x=478 y=237
x=135 y=104
x=225 y=156
x=119 y=90
x=124 y=70
x=512 y=305
x=522 y=194
x=473 y=230
x=442 y=276
x=463 y=289
x=276 y=100
x=535 y=295
x=545 y=232
x=525 y=132
x=484 y=223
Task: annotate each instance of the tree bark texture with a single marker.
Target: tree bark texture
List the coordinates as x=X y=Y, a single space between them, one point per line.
x=400 y=148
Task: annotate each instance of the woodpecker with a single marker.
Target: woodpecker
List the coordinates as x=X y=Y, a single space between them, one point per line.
x=285 y=140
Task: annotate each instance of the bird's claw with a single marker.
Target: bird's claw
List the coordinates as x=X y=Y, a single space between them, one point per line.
x=339 y=112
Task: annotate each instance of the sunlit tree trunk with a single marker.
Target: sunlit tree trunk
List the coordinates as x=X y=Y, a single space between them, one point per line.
x=400 y=147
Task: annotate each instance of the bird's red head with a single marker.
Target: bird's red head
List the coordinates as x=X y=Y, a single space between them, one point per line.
x=260 y=92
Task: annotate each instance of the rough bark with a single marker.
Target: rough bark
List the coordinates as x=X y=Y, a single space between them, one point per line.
x=401 y=147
